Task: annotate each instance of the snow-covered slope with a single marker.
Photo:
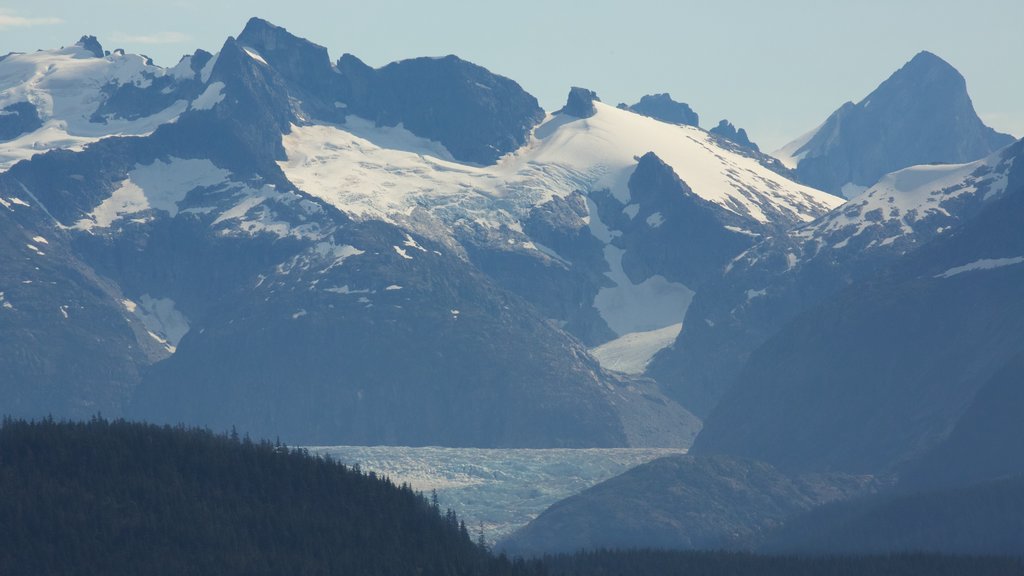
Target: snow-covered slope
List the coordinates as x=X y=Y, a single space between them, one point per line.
x=67 y=88
x=908 y=206
x=387 y=173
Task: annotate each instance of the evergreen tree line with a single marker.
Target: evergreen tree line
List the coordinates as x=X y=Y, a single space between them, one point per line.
x=112 y=497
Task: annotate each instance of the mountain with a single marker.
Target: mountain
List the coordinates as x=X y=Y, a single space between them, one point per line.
x=789 y=274
x=883 y=371
x=983 y=519
x=984 y=444
x=323 y=251
x=919 y=115
x=679 y=502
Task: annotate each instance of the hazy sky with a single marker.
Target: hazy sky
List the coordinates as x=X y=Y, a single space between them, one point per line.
x=777 y=68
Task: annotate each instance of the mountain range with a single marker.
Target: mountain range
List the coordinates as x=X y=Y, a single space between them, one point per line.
x=419 y=254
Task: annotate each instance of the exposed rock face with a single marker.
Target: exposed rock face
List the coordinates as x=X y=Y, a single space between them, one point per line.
x=580 y=103
x=663 y=107
x=726 y=130
x=922 y=114
x=477 y=115
x=91 y=44
x=17 y=119
x=672 y=231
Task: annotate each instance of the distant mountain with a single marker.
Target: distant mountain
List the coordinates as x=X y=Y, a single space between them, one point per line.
x=788 y=274
x=679 y=502
x=883 y=371
x=919 y=115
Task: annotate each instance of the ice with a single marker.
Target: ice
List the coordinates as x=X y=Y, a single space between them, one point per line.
x=502 y=488
x=632 y=352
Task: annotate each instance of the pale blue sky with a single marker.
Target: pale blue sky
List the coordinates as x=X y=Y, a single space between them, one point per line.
x=777 y=68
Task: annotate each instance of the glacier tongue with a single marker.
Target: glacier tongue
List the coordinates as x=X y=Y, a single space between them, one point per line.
x=502 y=488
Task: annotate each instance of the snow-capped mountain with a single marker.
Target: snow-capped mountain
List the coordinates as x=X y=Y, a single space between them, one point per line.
x=921 y=114
x=70 y=97
x=768 y=285
x=887 y=356
x=323 y=250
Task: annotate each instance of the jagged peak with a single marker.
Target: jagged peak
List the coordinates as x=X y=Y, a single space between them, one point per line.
x=727 y=130
x=91 y=44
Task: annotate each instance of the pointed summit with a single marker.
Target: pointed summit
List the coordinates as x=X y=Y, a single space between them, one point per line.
x=921 y=114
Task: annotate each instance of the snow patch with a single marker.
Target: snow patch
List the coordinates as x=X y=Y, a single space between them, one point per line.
x=213 y=95
x=164 y=322
x=401 y=252
x=982 y=264
x=851 y=190
x=255 y=55
x=655 y=220
x=158 y=186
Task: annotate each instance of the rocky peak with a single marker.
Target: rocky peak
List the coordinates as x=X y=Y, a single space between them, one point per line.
x=580 y=103
x=663 y=107
x=91 y=44
x=302 y=63
x=726 y=130
x=921 y=114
